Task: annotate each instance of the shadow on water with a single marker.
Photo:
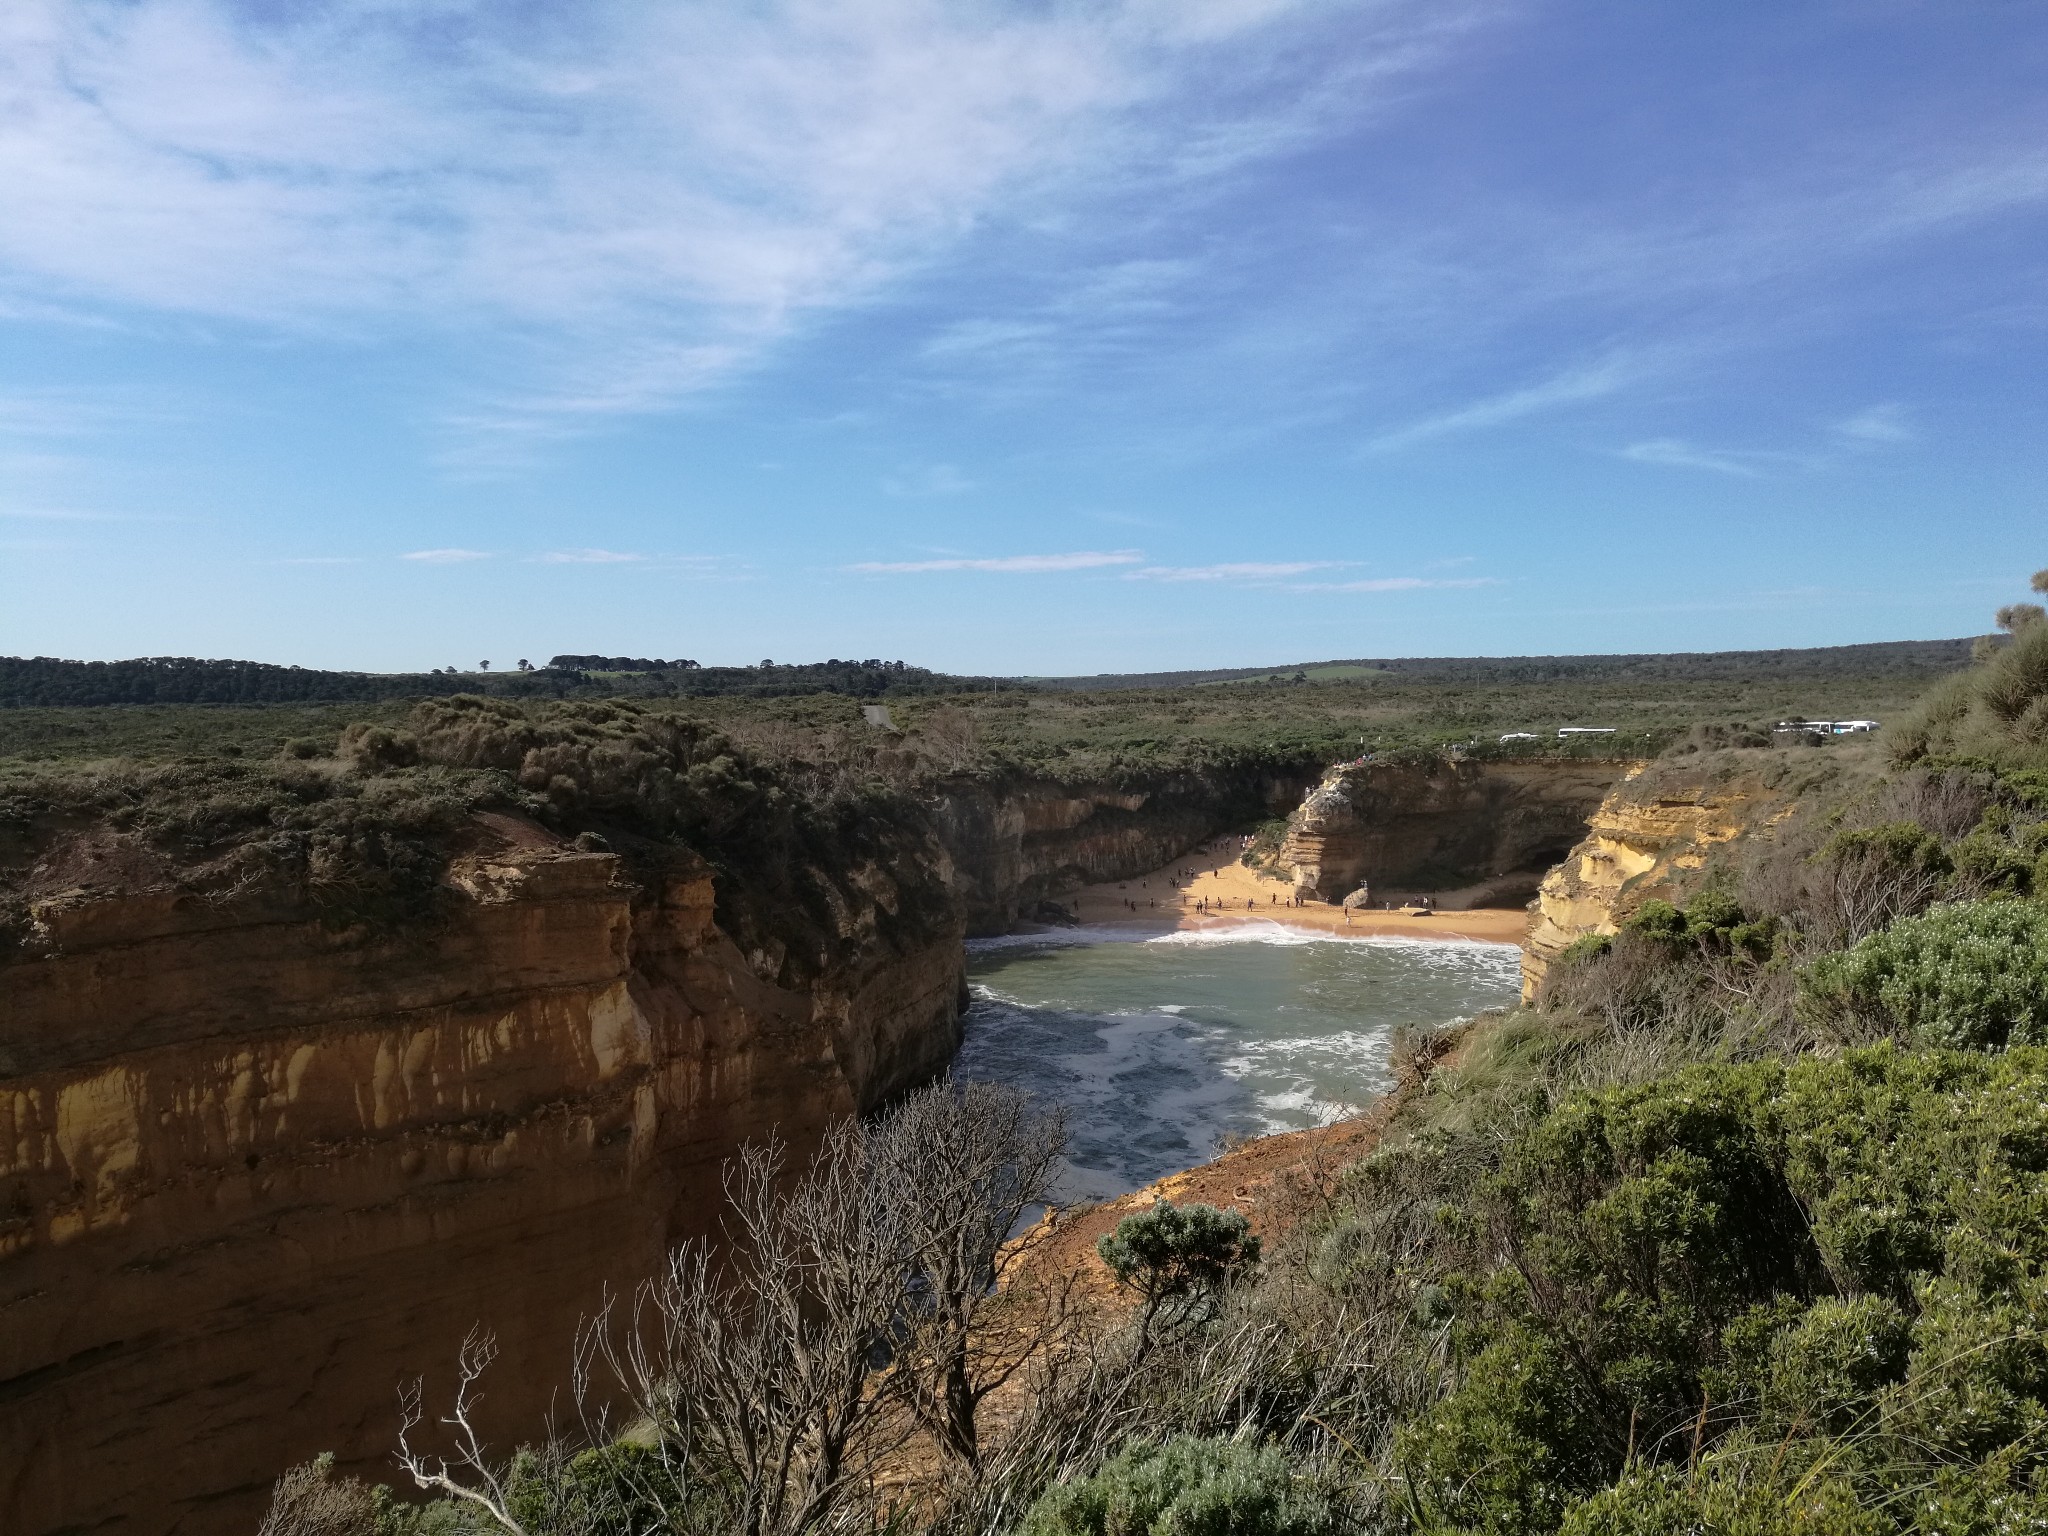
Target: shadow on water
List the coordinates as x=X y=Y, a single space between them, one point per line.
x=1159 y=1048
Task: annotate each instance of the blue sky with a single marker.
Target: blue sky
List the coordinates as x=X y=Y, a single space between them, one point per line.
x=1039 y=337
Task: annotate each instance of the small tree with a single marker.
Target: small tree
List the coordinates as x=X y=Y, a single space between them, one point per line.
x=483 y=666
x=1178 y=1258
x=962 y=1165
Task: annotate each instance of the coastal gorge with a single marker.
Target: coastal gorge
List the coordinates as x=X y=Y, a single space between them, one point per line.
x=312 y=1062
x=288 y=1110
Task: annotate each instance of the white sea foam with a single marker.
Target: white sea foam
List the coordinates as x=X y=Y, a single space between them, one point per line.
x=1057 y=938
x=1160 y=1044
x=1266 y=931
x=1250 y=931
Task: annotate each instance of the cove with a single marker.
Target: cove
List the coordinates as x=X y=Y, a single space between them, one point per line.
x=1158 y=1046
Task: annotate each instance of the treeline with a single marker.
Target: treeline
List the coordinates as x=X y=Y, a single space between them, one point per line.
x=31 y=681
x=1924 y=659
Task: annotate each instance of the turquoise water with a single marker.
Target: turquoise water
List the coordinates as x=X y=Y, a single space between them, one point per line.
x=1159 y=1047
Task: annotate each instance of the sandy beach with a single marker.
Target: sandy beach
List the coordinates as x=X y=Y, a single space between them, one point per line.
x=1210 y=889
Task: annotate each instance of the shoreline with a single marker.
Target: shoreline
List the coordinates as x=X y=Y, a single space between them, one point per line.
x=1210 y=890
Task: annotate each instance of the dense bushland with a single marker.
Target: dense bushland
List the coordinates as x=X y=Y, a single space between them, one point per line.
x=360 y=827
x=27 y=681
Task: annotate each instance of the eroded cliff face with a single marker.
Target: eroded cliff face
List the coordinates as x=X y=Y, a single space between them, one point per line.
x=1440 y=823
x=258 y=1168
x=255 y=1171
x=1649 y=835
x=1016 y=845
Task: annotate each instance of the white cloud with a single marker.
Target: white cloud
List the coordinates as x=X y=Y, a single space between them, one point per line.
x=1573 y=386
x=1880 y=424
x=587 y=557
x=930 y=480
x=1395 y=584
x=62 y=515
x=1080 y=560
x=651 y=195
x=445 y=556
x=1234 y=571
x=1675 y=454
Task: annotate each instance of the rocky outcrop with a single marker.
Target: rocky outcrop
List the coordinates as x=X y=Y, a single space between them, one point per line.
x=1437 y=823
x=1016 y=844
x=1652 y=831
x=256 y=1170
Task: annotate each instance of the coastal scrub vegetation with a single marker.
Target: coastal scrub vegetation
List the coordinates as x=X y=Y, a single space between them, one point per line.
x=1074 y=733
x=47 y=680
x=1741 y=1228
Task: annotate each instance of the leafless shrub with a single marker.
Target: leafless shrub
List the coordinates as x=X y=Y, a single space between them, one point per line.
x=962 y=1165
x=309 y=1500
x=765 y=1359
x=950 y=738
x=770 y=1374
x=1947 y=804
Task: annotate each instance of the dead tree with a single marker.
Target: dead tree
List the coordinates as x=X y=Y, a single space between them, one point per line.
x=764 y=1357
x=961 y=1166
x=471 y=1476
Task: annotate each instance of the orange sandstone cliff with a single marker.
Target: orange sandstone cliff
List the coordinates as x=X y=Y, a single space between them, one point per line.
x=254 y=1171
x=259 y=1166
x=1428 y=823
x=1653 y=831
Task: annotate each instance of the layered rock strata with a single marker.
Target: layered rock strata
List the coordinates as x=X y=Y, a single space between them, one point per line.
x=255 y=1172
x=1016 y=845
x=256 y=1169
x=1440 y=823
x=1651 y=833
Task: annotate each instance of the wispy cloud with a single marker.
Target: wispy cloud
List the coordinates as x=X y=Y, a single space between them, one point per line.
x=1395 y=584
x=587 y=557
x=655 y=196
x=1877 y=426
x=929 y=480
x=1572 y=386
x=1880 y=426
x=445 y=556
x=1247 y=570
x=1079 y=560
x=1673 y=453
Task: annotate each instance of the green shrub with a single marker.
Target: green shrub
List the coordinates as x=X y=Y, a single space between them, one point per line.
x=1828 y=1367
x=1187 y=1487
x=1585 y=948
x=1966 y=974
x=1178 y=1257
x=1718 y=1501
x=1711 y=923
x=1508 y=1452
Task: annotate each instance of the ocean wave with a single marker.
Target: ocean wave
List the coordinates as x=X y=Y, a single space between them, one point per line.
x=1266 y=931
x=1251 y=931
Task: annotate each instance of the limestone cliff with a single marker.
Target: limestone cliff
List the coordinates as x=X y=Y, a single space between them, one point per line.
x=1433 y=823
x=1015 y=844
x=259 y=1164
x=255 y=1170
x=1652 y=831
